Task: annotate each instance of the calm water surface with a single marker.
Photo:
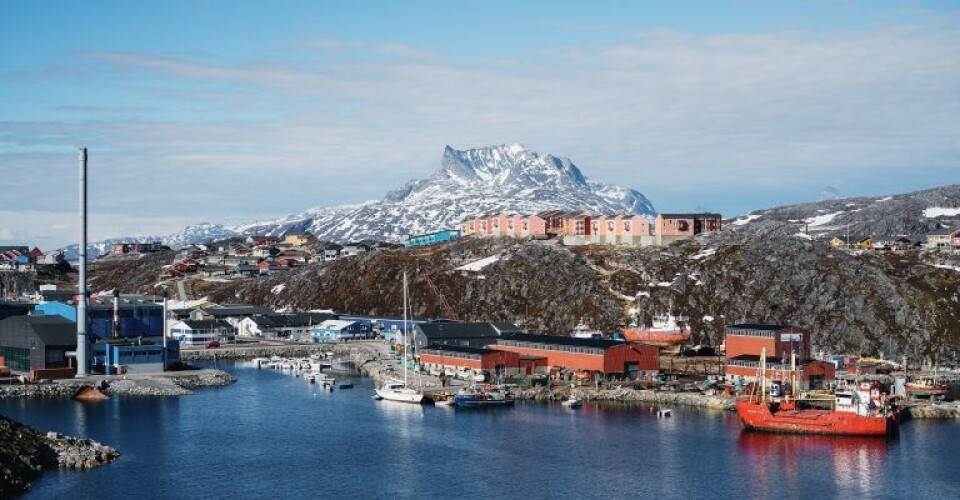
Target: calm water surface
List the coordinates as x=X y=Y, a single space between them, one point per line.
x=274 y=436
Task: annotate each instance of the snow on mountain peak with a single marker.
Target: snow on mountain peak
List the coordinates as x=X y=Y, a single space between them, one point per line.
x=467 y=183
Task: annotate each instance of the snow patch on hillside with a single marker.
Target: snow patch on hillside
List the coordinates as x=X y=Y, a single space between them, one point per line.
x=933 y=212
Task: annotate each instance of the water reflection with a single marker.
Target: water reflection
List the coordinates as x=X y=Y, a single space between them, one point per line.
x=847 y=462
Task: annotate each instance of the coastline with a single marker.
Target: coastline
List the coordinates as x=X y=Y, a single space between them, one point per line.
x=25 y=453
x=180 y=383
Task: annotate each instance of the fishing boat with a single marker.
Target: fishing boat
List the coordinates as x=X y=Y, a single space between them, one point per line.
x=849 y=413
x=582 y=331
x=397 y=390
x=926 y=388
x=666 y=330
x=475 y=398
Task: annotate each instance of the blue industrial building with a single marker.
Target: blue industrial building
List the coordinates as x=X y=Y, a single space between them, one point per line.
x=137 y=319
x=120 y=357
x=421 y=240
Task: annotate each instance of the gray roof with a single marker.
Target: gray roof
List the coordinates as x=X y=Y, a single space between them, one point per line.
x=944 y=231
x=52 y=330
x=505 y=327
x=208 y=324
x=440 y=331
x=292 y=320
x=236 y=310
x=560 y=340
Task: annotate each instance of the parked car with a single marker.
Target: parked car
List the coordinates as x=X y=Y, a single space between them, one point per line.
x=213 y=344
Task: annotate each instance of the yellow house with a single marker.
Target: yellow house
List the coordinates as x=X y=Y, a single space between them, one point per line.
x=837 y=242
x=865 y=243
x=297 y=240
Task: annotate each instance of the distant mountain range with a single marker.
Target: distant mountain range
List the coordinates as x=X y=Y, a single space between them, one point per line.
x=912 y=214
x=467 y=183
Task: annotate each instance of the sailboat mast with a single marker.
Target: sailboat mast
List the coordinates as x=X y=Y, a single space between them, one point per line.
x=405 y=343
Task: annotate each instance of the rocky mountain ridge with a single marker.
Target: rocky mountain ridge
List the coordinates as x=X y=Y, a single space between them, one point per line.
x=467 y=183
x=912 y=214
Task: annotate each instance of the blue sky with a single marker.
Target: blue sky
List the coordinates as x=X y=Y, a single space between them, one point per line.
x=237 y=111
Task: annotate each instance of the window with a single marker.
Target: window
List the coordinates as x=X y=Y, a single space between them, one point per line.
x=16 y=358
x=610 y=226
x=626 y=226
x=595 y=226
x=526 y=226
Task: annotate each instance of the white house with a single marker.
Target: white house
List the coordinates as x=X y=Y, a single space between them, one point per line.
x=201 y=332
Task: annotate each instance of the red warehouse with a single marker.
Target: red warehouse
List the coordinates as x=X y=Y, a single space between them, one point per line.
x=460 y=358
x=592 y=355
x=745 y=343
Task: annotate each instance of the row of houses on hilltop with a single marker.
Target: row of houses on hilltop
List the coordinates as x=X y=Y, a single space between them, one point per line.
x=583 y=228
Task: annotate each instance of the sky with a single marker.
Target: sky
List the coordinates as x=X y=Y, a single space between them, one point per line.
x=236 y=111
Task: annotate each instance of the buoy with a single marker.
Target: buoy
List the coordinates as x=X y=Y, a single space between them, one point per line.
x=89 y=393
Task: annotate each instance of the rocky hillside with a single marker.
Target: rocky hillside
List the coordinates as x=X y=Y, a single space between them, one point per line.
x=914 y=214
x=894 y=304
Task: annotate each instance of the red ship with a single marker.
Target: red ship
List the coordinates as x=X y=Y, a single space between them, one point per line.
x=859 y=412
x=665 y=330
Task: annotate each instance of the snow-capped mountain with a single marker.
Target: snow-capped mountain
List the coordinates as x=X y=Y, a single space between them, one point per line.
x=467 y=183
x=913 y=214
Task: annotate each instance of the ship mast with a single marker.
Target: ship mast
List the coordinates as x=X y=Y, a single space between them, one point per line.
x=763 y=375
x=793 y=375
x=405 y=330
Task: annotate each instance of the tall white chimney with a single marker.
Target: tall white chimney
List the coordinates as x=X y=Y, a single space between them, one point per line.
x=82 y=302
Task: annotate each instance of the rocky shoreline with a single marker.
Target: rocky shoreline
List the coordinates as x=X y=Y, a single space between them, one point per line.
x=716 y=402
x=936 y=410
x=169 y=384
x=289 y=351
x=25 y=453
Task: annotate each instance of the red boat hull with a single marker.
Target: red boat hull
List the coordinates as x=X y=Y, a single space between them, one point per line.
x=758 y=416
x=654 y=337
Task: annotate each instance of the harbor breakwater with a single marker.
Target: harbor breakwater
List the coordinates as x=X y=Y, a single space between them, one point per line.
x=167 y=384
x=25 y=453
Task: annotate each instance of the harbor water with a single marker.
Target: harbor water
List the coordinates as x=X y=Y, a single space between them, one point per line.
x=271 y=435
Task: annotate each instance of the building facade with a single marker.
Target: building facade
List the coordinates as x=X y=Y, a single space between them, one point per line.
x=606 y=357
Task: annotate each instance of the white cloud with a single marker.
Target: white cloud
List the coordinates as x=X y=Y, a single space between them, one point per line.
x=666 y=112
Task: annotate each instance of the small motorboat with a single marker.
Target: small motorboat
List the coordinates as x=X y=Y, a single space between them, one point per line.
x=573 y=402
x=345 y=386
x=664 y=413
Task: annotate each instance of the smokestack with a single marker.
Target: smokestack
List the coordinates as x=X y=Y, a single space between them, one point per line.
x=116 y=313
x=82 y=304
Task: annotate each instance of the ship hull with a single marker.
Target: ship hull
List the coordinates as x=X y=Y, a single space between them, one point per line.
x=758 y=417
x=655 y=337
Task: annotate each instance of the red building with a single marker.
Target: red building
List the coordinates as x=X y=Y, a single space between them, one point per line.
x=588 y=355
x=745 y=343
x=477 y=359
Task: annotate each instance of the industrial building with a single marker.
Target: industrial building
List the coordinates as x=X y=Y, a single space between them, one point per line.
x=745 y=343
x=598 y=356
x=38 y=345
x=479 y=334
x=489 y=362
x=137 y=318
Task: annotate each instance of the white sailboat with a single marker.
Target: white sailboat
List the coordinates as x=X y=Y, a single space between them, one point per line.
x=396 y=390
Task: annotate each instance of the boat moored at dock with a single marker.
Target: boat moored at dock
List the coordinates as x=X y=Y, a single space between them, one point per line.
x=667 y=330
